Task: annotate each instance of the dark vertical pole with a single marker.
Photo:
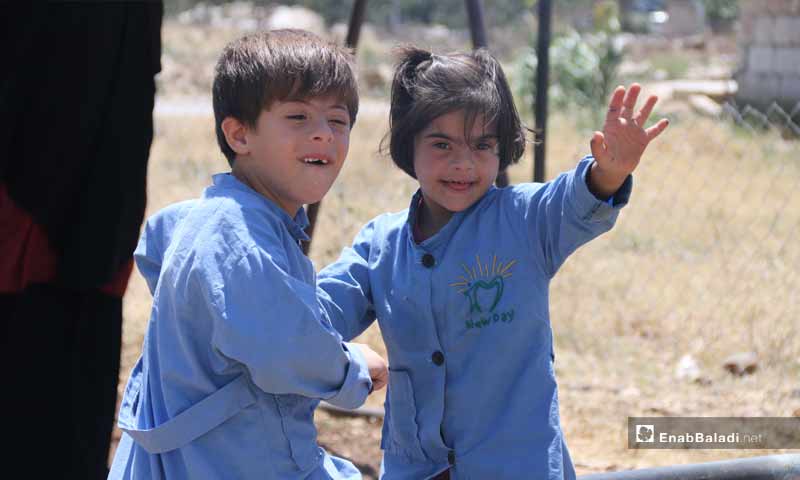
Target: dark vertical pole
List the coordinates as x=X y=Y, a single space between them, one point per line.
x=540 y=105
x=477 y=29
x=356 y=19
x=353 y=31
x=476 y=25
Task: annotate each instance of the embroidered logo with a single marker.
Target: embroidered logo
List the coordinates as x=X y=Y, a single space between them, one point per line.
x=483 y=288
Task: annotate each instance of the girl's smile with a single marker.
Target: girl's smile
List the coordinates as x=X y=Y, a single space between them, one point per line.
x=455 y=165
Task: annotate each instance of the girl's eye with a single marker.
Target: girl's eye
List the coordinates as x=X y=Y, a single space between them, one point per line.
x=297 y=117
x=442 y=145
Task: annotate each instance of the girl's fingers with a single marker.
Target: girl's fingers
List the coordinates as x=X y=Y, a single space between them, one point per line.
x=641 y=117
x=598 y=147
x=629 y=103
x=656 y=129
x=615 y=104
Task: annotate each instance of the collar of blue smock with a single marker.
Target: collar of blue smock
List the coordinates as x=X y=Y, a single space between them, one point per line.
x=442 y=237
x=296 y=226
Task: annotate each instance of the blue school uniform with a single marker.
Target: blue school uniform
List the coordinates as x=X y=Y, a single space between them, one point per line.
x=465 y=319
x=237 y=352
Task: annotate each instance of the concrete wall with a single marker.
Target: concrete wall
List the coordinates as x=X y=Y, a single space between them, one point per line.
x=769 y=45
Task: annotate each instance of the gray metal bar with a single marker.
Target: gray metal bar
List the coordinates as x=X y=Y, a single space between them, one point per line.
x=477 y=30
x=477 y=27
x=771 y=467
x=540 y=104
x=356 y=20
x=353 y=32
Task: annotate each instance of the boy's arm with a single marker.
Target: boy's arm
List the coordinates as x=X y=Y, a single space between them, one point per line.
x=271 y=323
x=155 y=239
x=344 y=287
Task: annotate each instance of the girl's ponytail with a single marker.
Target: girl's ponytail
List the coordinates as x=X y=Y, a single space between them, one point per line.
x=412 y=59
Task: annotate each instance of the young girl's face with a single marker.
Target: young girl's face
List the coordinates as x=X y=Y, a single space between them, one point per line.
x=454 y=173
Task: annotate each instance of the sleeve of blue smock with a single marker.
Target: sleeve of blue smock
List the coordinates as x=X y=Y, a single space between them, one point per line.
x=344 y=287
x=271 y=323
x=156 y=236
x=148 y=254
x=561 y=215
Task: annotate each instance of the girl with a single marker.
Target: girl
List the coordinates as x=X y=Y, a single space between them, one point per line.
x=459 y=281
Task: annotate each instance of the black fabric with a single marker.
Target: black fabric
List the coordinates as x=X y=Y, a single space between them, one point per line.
x=77 y=94
x=61 y=352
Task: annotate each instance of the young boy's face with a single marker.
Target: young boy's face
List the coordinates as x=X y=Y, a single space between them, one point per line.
x=296 y=150
x=453 y=173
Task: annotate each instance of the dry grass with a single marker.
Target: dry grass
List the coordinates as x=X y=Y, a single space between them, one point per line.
x=703 y=261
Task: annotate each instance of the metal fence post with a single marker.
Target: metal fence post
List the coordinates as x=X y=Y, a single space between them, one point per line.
x=540 y=104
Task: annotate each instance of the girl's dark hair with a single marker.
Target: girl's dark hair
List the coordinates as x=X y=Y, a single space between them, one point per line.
x=256 y=70
x=427 y=86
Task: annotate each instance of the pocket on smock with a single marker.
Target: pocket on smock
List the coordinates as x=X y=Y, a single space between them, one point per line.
x=401 y=434
x=297 y=418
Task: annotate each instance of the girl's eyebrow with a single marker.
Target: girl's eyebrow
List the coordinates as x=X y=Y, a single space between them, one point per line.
x=444 y=136
x=439 y=135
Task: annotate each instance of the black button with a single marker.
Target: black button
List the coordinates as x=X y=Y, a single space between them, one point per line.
x=428 y=260
x=437 y=357
x=451 y=457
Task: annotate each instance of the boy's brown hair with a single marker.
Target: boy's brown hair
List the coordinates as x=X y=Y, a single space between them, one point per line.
x=256 y=70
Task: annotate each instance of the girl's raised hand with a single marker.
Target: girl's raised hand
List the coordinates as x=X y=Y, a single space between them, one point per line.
x=619 y=147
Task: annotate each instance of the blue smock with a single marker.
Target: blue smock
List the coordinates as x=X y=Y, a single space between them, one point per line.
x=237 y=353
x=465 y=318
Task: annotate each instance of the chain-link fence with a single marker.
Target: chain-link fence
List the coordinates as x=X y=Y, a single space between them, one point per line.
x=705 y=261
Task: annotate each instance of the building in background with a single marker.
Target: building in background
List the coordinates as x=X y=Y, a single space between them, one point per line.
x=769 y=44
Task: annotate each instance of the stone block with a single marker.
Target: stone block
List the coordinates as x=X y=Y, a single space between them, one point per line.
x=790 y=89
x=764 y=29
x=787 y=31
x=758 y=89
x=760 y=60
x=787 y=60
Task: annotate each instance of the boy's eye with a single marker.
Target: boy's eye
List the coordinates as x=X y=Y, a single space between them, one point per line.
x=299 y=116
x=442 y=145
x=339 y=121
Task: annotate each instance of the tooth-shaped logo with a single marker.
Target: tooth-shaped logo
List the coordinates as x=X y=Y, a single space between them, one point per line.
x=483 y=284
x=483 y=296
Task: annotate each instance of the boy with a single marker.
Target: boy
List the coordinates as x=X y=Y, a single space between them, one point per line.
x=237 y=352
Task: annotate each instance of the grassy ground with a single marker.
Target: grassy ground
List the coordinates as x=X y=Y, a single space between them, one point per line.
x=704 y=261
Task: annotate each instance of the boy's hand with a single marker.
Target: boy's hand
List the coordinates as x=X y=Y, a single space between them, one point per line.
x=378 y=368
x=619 y=147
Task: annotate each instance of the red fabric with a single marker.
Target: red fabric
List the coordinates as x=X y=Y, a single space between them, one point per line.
x=26 y=256
x=117 y=286
x=26 y=253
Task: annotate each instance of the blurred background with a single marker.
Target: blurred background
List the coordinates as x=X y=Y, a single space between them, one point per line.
x=690 y=306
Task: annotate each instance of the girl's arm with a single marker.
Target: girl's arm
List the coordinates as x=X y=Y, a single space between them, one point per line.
x=582 y=204
x=561 y=215
x=344 y=287
x=619 y=147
